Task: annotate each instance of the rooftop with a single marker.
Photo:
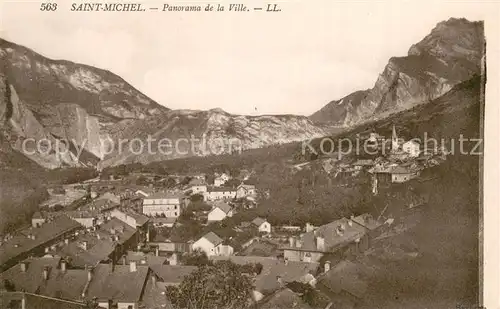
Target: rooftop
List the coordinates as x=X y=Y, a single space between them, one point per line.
x=117 y=283
x=258 y=221
x=335 y=234
x=48 y=231
x=346 y=276
x=266 y=282
x=172 y=274
x=223 y=206
x=284 y=299
x=213 y=238
x=164 y=195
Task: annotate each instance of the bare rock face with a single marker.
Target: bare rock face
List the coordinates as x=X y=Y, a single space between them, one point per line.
x=449 y=55
x=187 y=133
x=90 y=111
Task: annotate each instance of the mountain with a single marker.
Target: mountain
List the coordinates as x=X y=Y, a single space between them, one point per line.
x=59 y=101
x=449 y=55
x=215 y=132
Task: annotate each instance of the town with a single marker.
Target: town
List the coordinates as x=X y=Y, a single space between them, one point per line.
x=122 y=241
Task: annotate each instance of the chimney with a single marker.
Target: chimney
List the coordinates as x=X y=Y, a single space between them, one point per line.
x=66 y=241
x=286 y=261
x=47 y=249
x=349 y=222
x=298 y=243
x=133 y=266
x=63 y=266
x=291 y=241
x=157 y=251
x=153 y=279
x=320 y=243
x=24 y=266
x=45 y=273
x=89 y=274
x=85 y=245
x=327 y=266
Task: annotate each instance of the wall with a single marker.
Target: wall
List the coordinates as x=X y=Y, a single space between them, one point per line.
x=265 y=227
x=216 y=215
x=296 y=255
x=204 y=245
x=126 y=305
x=167 y=210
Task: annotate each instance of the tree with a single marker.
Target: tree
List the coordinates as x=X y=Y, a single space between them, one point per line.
x=222 y=286
x=195 y=258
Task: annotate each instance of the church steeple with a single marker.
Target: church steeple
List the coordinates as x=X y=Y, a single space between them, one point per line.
x=395 y=141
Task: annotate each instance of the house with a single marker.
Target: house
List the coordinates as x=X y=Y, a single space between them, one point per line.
x=36 y=240
x=212 y=245
x=412 y=148
x=262 y=225
x=346 y=283
x=275 y=274
x=220 y=212
x=106 y=243
x=328 y=238
x=402 y=174
x=245 y=190
x=133 y=219
x=219 y=193
x=162 y=203
x=197 y=186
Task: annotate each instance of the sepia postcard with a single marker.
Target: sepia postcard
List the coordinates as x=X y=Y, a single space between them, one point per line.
x=290 y=154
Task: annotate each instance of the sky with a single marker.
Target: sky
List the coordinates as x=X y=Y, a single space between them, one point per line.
x=289 y=62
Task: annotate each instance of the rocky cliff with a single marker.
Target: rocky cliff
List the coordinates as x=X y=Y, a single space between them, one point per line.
x=188 y=132
x=449 y=55
x=93 y=109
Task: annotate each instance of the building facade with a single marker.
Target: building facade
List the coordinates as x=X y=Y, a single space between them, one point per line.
x=166 y=204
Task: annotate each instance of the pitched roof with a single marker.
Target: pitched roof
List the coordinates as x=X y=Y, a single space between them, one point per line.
x=367 y=221
x=332 y=239
x=284 y=299
x=258 y=221
x=172 y=274
x=31 y=279
x=118 y=284
x=223 y=206
x=213 y=238
x=46 y=232
x=164 y=195
x=346 y=276
x=266 y=282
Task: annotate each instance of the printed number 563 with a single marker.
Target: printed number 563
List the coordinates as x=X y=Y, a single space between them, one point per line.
x=48 y=6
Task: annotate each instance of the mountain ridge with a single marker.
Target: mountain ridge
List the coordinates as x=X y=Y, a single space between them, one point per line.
x=450 y=54
x=60 y=100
